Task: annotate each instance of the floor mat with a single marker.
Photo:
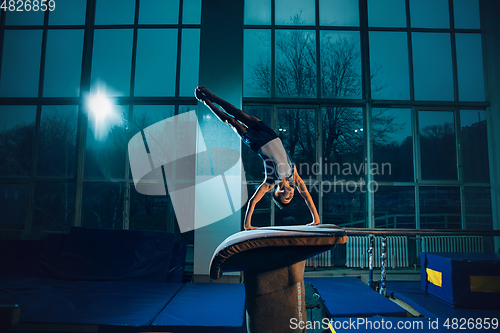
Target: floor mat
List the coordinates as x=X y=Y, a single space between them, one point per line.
x=350 y=297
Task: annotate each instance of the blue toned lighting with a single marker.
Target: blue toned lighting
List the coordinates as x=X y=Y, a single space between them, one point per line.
x=103 y=114
x=100 y=106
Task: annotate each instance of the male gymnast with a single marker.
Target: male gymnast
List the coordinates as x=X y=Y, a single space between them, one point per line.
x=279 y=167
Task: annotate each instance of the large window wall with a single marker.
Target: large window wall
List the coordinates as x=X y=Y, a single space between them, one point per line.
x=62 y=164
x=380 y=103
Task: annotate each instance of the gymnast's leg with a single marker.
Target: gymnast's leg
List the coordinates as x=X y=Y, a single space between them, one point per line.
x=221 y=115
x=239 y=115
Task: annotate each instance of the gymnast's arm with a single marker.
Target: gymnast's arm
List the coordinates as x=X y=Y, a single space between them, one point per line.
x=221 y=115
x=257 y=196
x=304 y=193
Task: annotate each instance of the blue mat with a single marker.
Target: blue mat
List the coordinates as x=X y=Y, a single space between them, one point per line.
x=350 y=297
x=18 y=256
x=107 y=303
x=220 y=306
x=430 y=306
x=158 y=306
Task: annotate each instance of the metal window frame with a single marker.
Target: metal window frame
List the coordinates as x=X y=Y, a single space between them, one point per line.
x=367 y=103
x=129 y=101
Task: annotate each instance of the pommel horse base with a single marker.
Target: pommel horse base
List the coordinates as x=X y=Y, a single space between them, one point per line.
x=273 y=262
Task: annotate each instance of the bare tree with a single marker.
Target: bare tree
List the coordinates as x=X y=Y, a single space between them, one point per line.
x=438 y=151
x=57 y=131
x=53 y=202
x=296 y=76
x=340 y=63
x=16 y=147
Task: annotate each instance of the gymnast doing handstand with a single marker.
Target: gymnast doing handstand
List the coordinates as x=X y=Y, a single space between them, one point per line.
x=279 y=167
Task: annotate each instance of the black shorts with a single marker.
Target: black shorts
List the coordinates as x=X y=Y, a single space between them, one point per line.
x=258 y=135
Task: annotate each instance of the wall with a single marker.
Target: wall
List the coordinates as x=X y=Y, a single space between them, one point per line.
x=490 y=26
x=221 y=70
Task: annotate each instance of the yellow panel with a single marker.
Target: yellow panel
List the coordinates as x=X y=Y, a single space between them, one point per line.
x=485 y=284
x=434 y=277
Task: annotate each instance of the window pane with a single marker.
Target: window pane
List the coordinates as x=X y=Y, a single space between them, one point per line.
x=156 y=62
x=13 y=203
x=63 y=63
x=191 y=13
x=112 y=60
x=339 y=12
x=258 y=12
x=466 y=14
x=115 y=11
x=144 y=116
x=474 y=146
x=297 y=130
x=190 y=61
x=390 y=74
x=158 y=138
x=107 y=144
x=440 y=207
x=470 y=67
x=296 y=63
x=187 y=108
x=295 y=12
x=478 y=212
x=343 y=143
x=437 y=145
x=22 y=17
x=102 y=205
x=429 y=14
x=16 y=139
x=159 y=12
x=69 y=12
x=257 y=67
x=344 y=205
x=147 y=115
x=53 y=207
x=57 y=141
x=148 y=212
x=21 y=63
x=340 y=64
x=395 y=207
x=297 y=212
x=387 y=13
x=252 y=163
x=433 y=70
x=392 y=145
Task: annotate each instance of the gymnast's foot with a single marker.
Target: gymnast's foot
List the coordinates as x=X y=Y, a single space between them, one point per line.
x=204 y=93
x=249 y=227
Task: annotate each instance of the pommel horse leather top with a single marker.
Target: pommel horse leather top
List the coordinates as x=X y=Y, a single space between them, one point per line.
x=268 y=248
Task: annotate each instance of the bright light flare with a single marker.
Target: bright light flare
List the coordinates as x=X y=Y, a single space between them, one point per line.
x=100 y=106
x=103 y=114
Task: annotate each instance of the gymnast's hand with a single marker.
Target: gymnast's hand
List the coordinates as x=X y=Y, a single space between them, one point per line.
x=315 y=222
